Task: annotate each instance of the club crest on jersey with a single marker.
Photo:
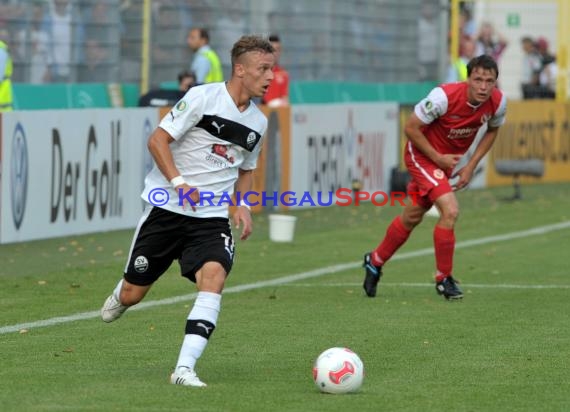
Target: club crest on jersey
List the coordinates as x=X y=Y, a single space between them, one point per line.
x=251 y=140
x=141 y=264
x=485 y=118
x=438 y=174
x=181 y=106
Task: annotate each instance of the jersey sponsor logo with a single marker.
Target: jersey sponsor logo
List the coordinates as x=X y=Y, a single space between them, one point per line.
x=141 y=264
x=219 y=163
x=222 y=151
x=438 y=174
x=462 y=133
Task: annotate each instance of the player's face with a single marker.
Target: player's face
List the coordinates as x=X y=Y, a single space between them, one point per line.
x=257 y=72
x=194 y=41
x=481 y=84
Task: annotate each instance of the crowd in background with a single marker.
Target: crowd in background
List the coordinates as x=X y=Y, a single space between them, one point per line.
x=101 y=40
x=538 y=66
x=539 y=69
x=338 y=40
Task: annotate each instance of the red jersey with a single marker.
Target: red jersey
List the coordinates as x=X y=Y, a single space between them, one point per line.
x=279 y=87
x=452 y=122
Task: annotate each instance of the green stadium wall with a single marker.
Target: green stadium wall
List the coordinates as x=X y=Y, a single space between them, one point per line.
x=101 y=95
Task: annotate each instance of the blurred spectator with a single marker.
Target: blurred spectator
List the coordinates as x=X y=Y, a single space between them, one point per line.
x=186 y=80
x=206 y=63
x=229 y=28
x=130 y=14
x=542 y=48
x=490 y=42
x=169 y=97
x=547 y=80
x=95 y=68
x=65 y=31
x=278 y=91
x=428 y=40
x=467 y=25
x=457 y=71
x=34 y=45
x=548 y=70
x=358 y=41
x=198 y=12
x=6 y=69
x=531 y=66
x=100 y=19
x=166 y=55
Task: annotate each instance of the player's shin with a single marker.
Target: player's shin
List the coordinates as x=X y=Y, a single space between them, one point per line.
x=444 y=245
x=200 y=325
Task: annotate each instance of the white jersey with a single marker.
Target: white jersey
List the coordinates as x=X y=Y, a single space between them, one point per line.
x=213 y=139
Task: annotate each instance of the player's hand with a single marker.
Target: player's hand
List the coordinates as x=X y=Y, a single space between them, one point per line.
x=242 y=215
x=465 y=174
x=448 y=161
x=187 y=192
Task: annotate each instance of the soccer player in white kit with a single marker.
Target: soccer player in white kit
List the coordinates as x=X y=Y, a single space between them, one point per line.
x=208 y=143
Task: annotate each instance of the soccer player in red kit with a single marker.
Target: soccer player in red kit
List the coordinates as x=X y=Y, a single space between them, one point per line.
x=439 y=131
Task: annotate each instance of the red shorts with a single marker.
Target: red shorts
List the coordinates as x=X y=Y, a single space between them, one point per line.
x=428 y=181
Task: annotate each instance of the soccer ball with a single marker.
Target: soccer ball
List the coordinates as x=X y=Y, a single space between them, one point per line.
x=338 y=370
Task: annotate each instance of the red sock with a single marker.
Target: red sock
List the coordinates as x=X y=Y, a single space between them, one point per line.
x=396 y=236
x=444 y=244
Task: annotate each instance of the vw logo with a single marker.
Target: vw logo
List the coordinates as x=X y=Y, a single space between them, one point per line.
x=19 y=175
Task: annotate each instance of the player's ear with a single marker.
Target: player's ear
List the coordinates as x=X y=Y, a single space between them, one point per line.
x=239 y=69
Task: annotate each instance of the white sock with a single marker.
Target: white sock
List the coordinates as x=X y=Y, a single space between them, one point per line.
x=117 y=291
x=206 y=307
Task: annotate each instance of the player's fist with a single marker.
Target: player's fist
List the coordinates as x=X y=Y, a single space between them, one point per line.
x=448 y=161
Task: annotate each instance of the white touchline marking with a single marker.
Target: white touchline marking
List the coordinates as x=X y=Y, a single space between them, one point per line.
x=423 y=285
x=540 y=230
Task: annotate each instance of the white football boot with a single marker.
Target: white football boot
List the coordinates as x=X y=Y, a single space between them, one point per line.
x=187 y=377
x=112 y=309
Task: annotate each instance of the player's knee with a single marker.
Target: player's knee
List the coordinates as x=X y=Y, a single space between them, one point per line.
x=450 y=213
x=411 y=220
x=211 y=277
x=131 y=296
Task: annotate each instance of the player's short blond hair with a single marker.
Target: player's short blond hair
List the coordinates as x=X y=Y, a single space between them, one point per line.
x=250 y=43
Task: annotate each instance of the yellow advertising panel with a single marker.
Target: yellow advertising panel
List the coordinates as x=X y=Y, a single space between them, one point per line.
x=405 y=113
x=535 y=129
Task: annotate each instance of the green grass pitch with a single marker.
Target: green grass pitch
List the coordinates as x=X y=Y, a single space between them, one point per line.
x=504 y=347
